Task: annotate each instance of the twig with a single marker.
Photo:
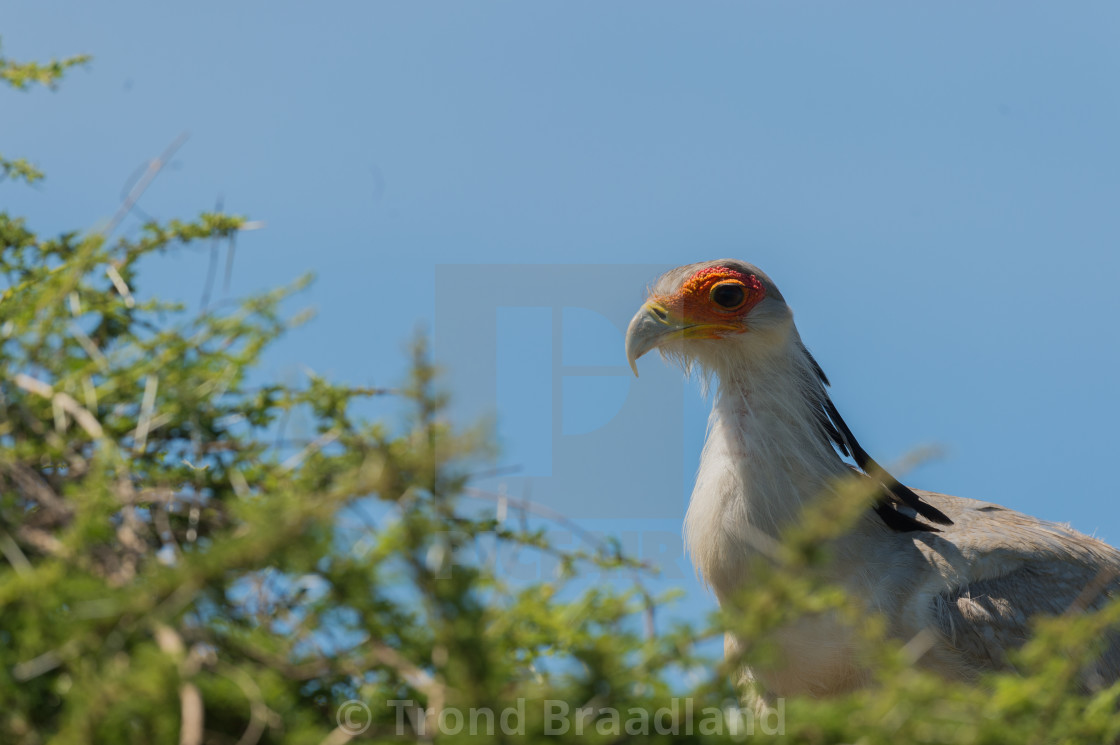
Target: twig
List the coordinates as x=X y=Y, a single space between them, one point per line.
x=31 y=385
x=919 y=644
x=86 y=420
x=229 y=258
x=65 y=400
x=127 y=187
x=193 y=715
x=122 y=288
x=36 y=487
x=548 y=513
x=419 y=679
x=43 y=541
x=260 y=715
x=232 y=251
x=151 y=385
x=212 y=265
x=318 y=444
x=88 y=345
x=493 y=472
x=163 y=529
x=90 y=393
x=13 y=553
x=154 y=423
x=192 y=711
x=44 y=663
x=154 y=167
x=1092 y=590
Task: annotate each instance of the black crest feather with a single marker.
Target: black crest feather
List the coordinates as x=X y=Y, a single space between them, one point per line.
x=894 y=493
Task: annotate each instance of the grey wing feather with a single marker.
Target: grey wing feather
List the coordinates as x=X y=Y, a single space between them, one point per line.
x=1015 y=567
x=985 y=619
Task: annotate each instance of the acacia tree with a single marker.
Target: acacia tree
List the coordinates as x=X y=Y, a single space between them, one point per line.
x=173 y=569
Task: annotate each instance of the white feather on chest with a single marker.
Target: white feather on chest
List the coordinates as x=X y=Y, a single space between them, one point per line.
x=763 y=460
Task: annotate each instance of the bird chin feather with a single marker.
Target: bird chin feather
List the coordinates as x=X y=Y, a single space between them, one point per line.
x=681 y=354
x=710 y=360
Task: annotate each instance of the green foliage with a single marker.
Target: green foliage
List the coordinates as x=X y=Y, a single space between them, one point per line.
x=174 y=568
x=21 y=76
x=19 y=169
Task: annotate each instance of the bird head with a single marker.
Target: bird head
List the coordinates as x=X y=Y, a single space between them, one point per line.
x=712 y=314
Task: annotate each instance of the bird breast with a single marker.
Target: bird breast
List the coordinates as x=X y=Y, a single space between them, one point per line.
x=763 y=460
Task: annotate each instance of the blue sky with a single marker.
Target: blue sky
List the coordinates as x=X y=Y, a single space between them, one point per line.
x=933 y=187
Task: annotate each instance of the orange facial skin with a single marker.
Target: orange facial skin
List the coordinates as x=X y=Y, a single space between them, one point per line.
x=695 y=305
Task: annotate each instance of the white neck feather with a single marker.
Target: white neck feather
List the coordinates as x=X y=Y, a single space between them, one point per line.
x=765 y=457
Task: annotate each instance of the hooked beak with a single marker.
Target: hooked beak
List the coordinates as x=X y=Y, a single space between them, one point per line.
x=652 y=326
x=656 y=324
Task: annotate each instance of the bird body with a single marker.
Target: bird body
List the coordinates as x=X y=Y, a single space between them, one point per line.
x=973 y=573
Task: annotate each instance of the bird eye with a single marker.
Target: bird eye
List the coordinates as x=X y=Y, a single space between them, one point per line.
x=728 y=295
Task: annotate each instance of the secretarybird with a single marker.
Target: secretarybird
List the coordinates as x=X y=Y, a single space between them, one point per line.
x=967 y=574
